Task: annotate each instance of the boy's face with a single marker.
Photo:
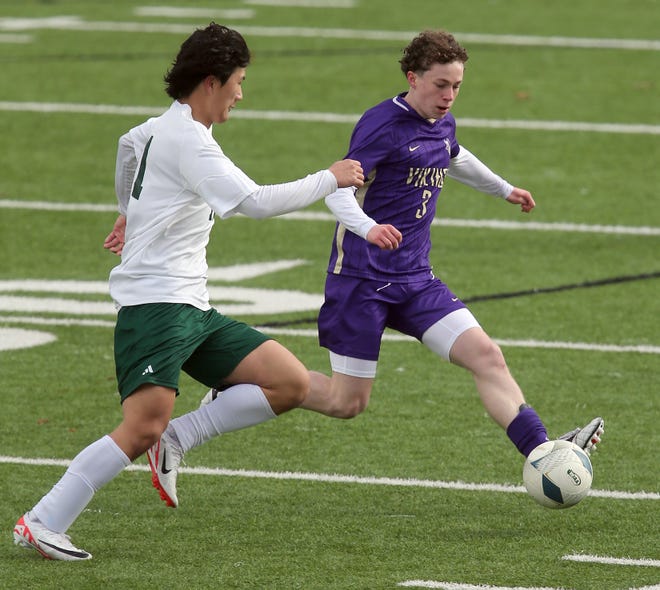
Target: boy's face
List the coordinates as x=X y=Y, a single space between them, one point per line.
x=432 y=93
x=225 y=96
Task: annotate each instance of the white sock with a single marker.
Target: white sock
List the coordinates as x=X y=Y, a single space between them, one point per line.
x=92 y=468
x=237 y=407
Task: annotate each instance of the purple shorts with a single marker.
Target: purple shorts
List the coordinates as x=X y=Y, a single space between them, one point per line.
x=357 y=311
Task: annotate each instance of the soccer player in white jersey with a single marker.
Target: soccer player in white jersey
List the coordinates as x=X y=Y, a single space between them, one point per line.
x=379 y=273
x=172 y=180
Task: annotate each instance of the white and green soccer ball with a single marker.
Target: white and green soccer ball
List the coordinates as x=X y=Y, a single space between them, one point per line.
x=558 y=474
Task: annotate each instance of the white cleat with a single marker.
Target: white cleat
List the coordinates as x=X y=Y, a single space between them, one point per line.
x=164 y=459
x=30 y=533
x=588 y=436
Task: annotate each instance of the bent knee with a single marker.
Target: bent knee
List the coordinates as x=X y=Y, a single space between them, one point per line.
x=348 y=399
x=350 y=409
x=290 y=394
x=478 y=352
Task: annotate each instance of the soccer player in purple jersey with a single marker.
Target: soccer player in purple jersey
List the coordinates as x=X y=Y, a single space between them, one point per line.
x=379 y=274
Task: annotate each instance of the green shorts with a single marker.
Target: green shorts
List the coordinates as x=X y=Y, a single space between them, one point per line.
x=155 y=341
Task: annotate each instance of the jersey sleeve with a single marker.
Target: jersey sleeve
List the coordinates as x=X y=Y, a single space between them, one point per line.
x=469 y=170
x=129 y=151
x=278 y=199
x=213 y=176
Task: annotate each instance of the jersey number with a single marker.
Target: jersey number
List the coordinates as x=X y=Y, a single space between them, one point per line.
x=137 y=185
x=426 y=195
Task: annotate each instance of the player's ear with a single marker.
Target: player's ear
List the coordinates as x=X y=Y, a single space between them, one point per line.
x=210 y=82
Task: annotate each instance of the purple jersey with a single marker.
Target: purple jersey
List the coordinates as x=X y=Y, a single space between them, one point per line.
x=405 y=159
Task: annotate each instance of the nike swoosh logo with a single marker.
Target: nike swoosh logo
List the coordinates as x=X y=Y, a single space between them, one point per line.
x=82 y=554
x=412 y=148
x=163 y=468
x=454 y=298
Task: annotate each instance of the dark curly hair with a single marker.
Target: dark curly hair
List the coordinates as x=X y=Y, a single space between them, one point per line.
x=429 y=48
x=213 y=51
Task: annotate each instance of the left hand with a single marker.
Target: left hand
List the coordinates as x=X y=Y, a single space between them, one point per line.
x=519 y=196
x=386 y=237
x=116 y=238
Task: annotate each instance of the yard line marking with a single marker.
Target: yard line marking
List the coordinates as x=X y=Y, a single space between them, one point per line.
x=458 y=586
x=587 y=346
x=558 y=126
x=303 y=3
x=321 y=117
x=52 y=206
x=37 y=321
x=342 y=479
x=496 y=224
x=312 y=333
x=17 y=38
x=15 y=339
x=181 y=12
x=502 y=224
x=76 y=23
x=612 y=560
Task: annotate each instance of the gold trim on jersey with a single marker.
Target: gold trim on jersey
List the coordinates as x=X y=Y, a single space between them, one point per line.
x=360 y=196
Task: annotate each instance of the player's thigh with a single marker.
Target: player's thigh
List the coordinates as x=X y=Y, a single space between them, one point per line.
x=476 y=351
x=454 y=337
x=271 y=366
x=353 y=316
x=227 y=343
x=152 y=343
x=422 y=305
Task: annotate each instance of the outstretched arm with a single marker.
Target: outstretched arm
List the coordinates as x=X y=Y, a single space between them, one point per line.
x=469 y=170
x=519 y=196
x=277 y=199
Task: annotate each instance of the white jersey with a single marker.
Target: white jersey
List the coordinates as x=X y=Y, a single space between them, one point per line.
x=172 y=178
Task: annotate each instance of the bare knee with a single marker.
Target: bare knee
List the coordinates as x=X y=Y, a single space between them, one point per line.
x=146 y=415
x=349 y=396
x=289 y=393
x=136 y=437
x=492 y=356
x=476 y=351
x=351 y=407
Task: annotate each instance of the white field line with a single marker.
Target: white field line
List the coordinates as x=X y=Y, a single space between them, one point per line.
x=76 y=23
x=303 y=3
x=321 y=117
x=501 y=224
x=459 y=586
x=185 y=12
x=587 y=346
x=15 y=38
x=320 y=216
x=312 y=333
x=341 y=479
x=612 y=560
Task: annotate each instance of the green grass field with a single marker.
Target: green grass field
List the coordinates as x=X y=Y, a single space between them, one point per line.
x=423 y=489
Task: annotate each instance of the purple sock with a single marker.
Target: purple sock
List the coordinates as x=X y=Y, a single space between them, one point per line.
x=526 y=430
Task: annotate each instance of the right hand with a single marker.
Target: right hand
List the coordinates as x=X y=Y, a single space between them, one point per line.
x=386 y=237
x=348 y=173
x=116 y=238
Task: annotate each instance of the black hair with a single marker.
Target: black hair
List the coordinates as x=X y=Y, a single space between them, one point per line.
x=214 y=51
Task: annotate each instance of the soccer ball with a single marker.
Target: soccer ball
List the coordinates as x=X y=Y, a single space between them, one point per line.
x=558 y=474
